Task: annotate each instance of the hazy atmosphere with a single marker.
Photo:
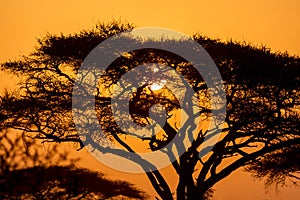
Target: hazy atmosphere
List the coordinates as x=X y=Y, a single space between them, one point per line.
x=255 y=46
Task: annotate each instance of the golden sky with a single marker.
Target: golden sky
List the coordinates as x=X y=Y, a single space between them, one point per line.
x=274 y=23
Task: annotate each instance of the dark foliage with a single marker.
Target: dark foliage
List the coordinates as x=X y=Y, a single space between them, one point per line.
x=262 y=106
x=58 y=182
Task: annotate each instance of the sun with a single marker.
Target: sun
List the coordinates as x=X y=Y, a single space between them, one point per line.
x=157 y=85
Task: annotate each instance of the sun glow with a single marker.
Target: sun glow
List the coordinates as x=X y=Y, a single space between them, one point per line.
x=157 y=85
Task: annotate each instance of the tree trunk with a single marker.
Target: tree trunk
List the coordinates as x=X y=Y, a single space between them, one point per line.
x=180 y=191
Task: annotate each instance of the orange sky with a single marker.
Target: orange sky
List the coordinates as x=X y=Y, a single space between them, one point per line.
x=273 y=23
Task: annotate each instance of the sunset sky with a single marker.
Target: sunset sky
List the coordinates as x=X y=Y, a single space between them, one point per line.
x=275 y=24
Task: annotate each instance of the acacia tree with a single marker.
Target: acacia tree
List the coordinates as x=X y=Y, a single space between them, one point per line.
x=262 y=91
x=26 y=172
x=64 y=182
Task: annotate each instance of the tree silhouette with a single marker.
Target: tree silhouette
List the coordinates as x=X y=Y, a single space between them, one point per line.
x=261 y=127
x=278 y=166
x=64 y=182
x=27 y=173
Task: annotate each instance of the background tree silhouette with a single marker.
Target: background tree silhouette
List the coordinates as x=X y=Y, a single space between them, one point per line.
x=26 y=172
x=262 y=91
x=64 y=182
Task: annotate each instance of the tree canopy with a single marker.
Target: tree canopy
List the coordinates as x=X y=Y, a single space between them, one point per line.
x=261 y=125
x=28 y=172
